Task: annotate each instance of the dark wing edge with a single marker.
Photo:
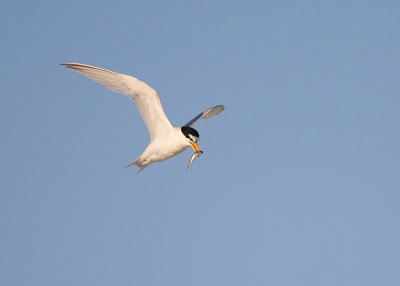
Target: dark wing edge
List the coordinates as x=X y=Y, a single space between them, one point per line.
x=210 y=112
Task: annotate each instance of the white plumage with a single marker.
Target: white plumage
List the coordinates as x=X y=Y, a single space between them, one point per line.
x=166 y=140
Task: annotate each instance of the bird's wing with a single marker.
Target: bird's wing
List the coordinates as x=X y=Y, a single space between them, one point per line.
x=210 y=112
x=146 y=98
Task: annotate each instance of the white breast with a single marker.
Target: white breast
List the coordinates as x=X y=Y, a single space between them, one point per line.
x=163 y=148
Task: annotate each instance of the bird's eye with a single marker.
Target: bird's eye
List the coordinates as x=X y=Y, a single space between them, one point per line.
x=193 y=138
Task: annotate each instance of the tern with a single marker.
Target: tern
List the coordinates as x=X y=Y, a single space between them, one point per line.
x=166 y=140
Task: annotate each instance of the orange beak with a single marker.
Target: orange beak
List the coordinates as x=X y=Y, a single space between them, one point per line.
x=195 y=147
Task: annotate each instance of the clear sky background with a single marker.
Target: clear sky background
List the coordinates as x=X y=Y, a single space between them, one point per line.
x=299 y=182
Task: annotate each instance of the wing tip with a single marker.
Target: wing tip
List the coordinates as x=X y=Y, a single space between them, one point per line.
x=68 y=64
x=221 y=107
x=72 y=65
x=82 y=67
x=213 y=111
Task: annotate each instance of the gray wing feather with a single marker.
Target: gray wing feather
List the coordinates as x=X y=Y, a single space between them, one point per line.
x=210 y=112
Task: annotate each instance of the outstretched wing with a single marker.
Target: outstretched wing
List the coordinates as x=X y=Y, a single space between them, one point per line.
x=210 y=112
x=146 y=98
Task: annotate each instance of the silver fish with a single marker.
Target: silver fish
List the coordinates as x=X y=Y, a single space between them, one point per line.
x=195 y=155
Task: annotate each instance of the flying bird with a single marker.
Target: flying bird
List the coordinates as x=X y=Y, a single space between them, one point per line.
x=166 y=140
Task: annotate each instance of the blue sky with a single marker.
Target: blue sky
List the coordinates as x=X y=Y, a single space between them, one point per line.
x=299 y=183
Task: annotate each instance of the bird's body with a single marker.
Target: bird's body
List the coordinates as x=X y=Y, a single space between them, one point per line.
x=166 y=140
x=161 y=149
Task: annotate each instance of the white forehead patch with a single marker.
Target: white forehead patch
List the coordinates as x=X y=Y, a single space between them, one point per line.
x=194 y=138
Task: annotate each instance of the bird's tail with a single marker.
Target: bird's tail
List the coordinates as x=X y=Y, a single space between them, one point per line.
x=138 y=162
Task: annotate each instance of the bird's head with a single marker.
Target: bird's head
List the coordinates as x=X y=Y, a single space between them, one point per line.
x=192 y=136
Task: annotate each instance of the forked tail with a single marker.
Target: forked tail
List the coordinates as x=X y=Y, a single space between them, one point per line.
x=138 y=162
